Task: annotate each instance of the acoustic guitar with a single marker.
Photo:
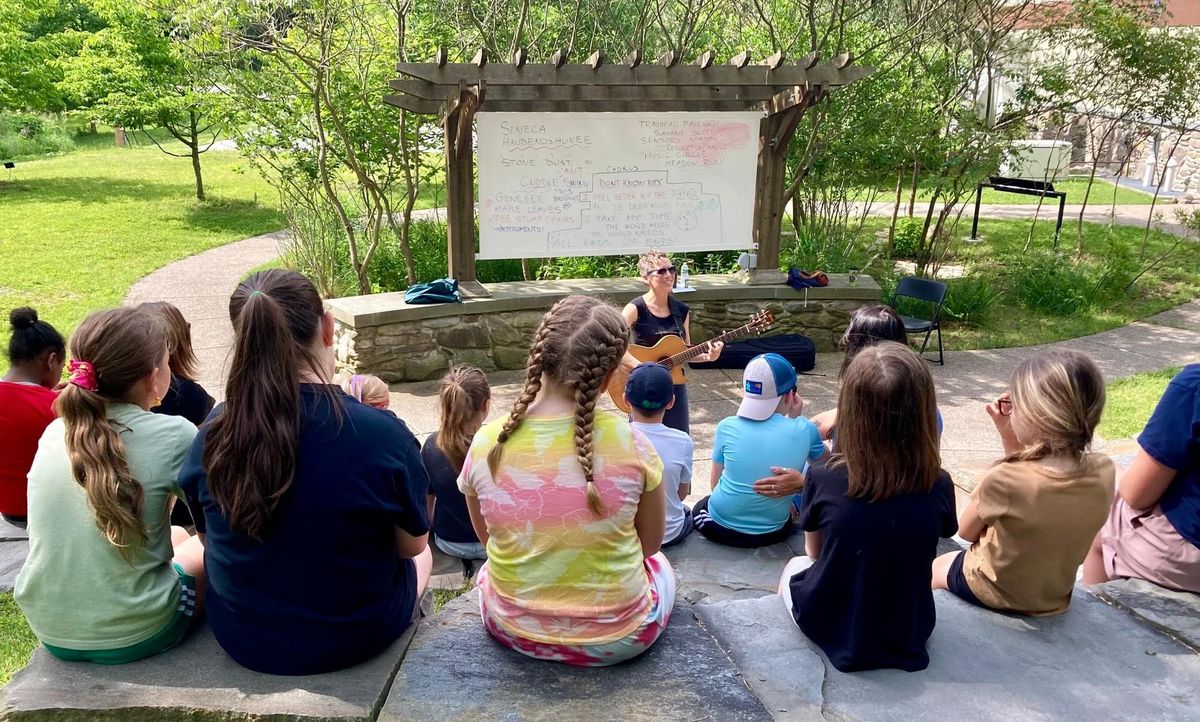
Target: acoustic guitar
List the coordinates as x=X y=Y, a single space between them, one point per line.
x=672 y=353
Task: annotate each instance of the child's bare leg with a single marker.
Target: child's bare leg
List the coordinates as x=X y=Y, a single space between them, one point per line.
x=424 y=564
x=1093 y=564
x=941 y=569
x=178 y=535
x=190 y=555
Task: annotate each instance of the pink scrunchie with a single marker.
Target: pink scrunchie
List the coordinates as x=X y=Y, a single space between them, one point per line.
x=83 y=375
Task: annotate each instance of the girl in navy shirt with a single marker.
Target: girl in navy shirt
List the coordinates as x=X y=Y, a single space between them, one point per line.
x=872 y=518
x=312 y=504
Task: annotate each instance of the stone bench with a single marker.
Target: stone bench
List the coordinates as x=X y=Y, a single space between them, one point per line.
x=14 y=547
x=196 y=681
x=1176 y=614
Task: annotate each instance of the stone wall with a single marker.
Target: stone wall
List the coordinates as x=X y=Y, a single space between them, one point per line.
x=400 y=349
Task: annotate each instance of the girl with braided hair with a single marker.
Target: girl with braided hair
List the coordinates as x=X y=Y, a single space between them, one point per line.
x=570 y=504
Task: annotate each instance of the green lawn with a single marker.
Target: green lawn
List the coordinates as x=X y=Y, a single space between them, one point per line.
x=1101 y=195
x=1131 y=401
x=1007 y=323
x=16 y=640
x=76 y=231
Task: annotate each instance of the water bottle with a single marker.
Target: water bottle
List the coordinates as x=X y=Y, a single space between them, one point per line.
x=683 y=275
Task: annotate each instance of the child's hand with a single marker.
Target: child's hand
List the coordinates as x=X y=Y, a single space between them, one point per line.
x=794 y=406
x=1001 y=412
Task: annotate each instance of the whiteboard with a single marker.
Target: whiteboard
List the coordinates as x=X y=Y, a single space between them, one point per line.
x=597 y=184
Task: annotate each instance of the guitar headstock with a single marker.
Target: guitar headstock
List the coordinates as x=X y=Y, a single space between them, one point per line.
x=761 y=321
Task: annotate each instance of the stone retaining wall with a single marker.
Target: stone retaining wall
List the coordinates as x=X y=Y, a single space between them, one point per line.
x=414 y=343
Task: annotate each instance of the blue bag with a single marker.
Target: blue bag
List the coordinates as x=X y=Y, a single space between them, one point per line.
x=443 y=290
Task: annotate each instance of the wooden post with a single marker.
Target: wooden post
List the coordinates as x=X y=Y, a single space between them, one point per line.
x=460 y=192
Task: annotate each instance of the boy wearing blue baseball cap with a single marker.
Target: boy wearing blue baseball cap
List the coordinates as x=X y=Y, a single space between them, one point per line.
x=649 y=393
x=768 y=431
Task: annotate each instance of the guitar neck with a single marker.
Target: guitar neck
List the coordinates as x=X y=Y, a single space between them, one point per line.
x=684 y=356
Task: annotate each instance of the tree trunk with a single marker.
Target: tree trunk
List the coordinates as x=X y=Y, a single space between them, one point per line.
x=912 y=196
x=194 y=146
x=895 y=212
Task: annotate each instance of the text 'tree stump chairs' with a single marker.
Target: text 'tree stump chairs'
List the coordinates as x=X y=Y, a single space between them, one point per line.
x=932 y=293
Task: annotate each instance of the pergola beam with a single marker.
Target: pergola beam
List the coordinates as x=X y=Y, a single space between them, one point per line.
x=433 y=107
x=496 y=75
x=592 y=93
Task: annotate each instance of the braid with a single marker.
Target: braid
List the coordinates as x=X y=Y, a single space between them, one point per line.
x=591 y=378
x=533 y=384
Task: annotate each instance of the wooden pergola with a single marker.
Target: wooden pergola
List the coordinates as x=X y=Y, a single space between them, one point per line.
x=784 y=91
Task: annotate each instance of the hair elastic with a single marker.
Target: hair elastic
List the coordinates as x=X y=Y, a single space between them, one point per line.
x=83 y=375
x=256 y=292
x=356 y=386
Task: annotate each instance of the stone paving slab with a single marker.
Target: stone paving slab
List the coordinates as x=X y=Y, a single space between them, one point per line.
x=455 y=671
x=1093 y=662
x=708 y=571
x=12 y=558
x=196 y=681
x=1177 y=614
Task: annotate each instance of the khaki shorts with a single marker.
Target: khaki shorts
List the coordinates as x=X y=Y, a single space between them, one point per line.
x=1145 y=545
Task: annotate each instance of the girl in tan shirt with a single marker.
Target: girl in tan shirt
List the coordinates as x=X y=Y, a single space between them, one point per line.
x=1032 y=517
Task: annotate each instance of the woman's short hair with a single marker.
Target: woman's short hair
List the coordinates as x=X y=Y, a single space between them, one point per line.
x=648 y=262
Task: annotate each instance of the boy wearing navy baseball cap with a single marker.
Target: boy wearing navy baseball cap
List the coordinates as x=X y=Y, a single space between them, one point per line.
x=768 y=431
x=649 y=393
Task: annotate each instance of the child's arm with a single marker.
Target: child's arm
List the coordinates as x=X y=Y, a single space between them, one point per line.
x=1144 y=484
x=812 y=544
x=430 y=503
x=970 y=526
x=717 y=469
x=684 y=490
x=477 y=522
x=826 y=422
x=651 y=520
x=409 y=546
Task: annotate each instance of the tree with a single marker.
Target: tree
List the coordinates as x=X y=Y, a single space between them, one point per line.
x=136 y=73
x=34 y=36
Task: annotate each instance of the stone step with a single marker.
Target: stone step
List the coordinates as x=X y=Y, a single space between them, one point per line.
x=1093 y=662
x=455 y=671
x=198 y=682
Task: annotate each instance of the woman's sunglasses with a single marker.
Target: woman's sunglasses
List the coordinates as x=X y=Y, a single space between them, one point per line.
x=668 y=271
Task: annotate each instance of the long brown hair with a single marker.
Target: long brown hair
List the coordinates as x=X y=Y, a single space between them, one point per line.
x=250 y=449
x=1060 y=396
x=179 y=338
x=887 y=423
x=578 y=344
x=869 y=326
x=124 y=346
x=464 y=393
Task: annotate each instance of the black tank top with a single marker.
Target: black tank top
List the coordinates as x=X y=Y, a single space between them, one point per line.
x=649 y=329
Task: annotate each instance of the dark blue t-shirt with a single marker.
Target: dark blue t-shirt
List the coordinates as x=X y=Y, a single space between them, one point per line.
x=451 y=520
x=1172 y=438
x=866 y=601
x=324 y=588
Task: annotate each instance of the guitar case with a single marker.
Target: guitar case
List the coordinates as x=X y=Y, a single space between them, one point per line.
x=796 y=348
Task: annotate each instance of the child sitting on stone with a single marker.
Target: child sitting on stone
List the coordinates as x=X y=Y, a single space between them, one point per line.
x=872 y=517
x=1032 y=518
x=650 y=393
x=767 y=432
x=368 y=389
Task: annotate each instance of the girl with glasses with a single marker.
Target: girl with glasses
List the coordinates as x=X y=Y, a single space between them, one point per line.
x=655 y=314
x=1032 y=517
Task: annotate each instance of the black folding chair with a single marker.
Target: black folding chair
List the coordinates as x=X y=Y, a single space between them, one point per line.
x=932 y=292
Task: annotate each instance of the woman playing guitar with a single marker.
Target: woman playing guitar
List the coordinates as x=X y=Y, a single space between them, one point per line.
x=655 y=314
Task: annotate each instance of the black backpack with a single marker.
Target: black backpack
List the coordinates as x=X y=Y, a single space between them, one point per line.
x=799 y=350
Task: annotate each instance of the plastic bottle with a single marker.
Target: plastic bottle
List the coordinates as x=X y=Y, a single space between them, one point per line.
x=683 y=275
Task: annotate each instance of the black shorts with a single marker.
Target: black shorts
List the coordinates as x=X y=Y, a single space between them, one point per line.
x=714 y=532
x=956 y=582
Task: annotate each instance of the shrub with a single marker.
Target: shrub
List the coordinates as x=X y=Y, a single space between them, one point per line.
x=1051 y=282
x=906 y=243
x=24 y=135
x=815 y=249
x=968 y=300
x=1117 y=268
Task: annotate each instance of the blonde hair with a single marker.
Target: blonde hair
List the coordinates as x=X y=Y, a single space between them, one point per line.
x=578 y=344
x=648 y=262
x=179 y=338
x=370 y=390
x=124 y=346
x=887 y=424
x=1060 y=397
x=464 y=394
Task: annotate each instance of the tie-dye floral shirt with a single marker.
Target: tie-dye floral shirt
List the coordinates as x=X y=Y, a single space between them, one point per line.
x=556 y=572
